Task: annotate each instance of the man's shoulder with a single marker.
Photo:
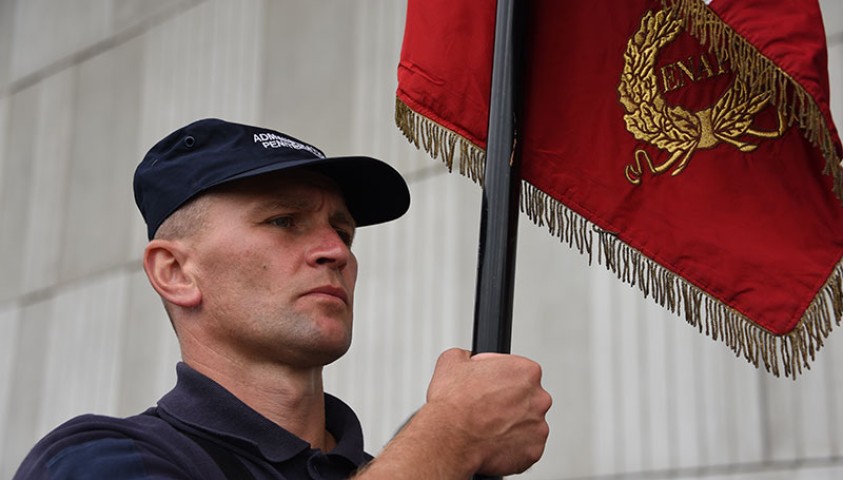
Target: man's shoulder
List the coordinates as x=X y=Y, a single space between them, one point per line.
x=91 y=422
x=145 y=427
x=141 y=446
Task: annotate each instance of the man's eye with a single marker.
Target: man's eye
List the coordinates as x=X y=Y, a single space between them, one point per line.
x=284 y=222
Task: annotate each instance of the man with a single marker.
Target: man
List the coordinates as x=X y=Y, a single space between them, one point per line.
x=250 y=250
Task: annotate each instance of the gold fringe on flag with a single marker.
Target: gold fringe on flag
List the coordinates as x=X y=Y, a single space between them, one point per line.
x=792 y=101
x=779 y=354
x=441 y=142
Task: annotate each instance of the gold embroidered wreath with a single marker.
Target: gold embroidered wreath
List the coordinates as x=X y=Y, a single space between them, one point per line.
x=673 y=128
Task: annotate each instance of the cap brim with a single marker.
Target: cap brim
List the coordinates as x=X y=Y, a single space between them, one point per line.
x=374 y=192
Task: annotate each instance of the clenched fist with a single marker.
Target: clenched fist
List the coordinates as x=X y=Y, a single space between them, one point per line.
x=484 y=414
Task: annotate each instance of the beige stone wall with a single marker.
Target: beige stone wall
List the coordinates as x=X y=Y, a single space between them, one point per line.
x=87 y=86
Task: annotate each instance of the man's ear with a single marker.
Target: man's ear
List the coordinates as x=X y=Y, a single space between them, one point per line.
x=164 y=263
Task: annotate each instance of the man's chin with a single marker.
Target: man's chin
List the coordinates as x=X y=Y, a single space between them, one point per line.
x=324 y=354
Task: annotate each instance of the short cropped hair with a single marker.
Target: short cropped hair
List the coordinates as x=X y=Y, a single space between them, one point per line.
x=185 y=221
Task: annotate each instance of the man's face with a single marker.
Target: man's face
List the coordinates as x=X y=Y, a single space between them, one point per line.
x=274 y=265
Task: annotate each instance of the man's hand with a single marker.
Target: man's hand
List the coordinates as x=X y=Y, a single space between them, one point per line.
x=484 y=414
x=496 y=404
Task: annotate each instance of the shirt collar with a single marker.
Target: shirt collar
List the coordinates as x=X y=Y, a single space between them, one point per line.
x=200 y=403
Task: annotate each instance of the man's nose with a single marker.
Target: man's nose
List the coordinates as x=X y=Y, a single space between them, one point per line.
x=329 y=249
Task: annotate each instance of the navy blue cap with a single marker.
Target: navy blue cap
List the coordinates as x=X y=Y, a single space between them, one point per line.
x=212 y=152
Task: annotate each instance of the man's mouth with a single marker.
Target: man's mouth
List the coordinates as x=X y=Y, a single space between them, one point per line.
x=330 y=291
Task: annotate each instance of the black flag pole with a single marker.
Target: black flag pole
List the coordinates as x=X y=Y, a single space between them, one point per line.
x=501 y=191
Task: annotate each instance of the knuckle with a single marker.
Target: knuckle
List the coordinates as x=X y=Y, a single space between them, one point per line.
x=544 y=432
x=546 y=401
x=536 y=375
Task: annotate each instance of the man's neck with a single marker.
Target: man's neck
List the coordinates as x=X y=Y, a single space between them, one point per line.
x=292 y=398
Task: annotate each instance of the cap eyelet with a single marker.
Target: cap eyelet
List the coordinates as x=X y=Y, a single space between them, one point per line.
x=189 y=141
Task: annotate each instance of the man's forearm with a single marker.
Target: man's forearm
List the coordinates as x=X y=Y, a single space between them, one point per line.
x=427 y=447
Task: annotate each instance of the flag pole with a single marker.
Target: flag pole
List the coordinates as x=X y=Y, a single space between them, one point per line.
x=499 y=209
x=501 y=191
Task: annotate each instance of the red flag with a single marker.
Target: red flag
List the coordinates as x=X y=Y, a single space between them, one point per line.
x=691 y=142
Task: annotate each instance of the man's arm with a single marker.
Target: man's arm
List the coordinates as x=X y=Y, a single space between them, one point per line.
x=484 y=414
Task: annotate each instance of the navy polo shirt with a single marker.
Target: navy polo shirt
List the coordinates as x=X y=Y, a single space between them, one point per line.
x=183 y=436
